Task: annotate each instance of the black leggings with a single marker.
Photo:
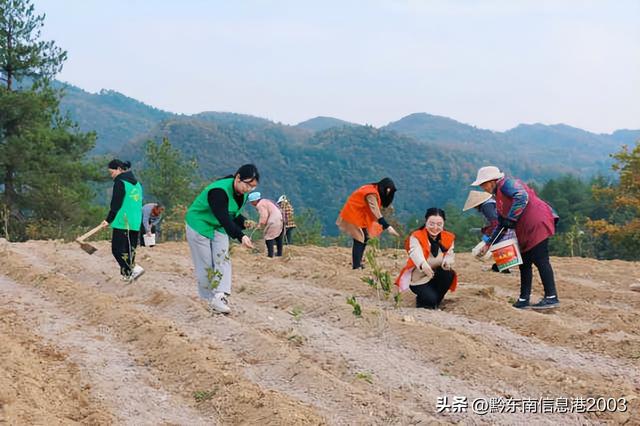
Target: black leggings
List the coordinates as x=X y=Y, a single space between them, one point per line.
x=277 y=241
x=539 y=256
x=123 y=248
x=430 y=295
x=357 y=251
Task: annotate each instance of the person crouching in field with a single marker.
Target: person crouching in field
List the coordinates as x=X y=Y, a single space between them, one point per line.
x=428 y=270
x=271 y=220
x=125 y=218
x=212 y=218
x=361 y=217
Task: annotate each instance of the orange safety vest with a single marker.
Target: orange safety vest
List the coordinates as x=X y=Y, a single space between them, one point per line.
x=446 y=241
x=356 y=210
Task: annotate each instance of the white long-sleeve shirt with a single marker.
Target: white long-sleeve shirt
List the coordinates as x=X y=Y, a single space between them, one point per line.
x=417 y=255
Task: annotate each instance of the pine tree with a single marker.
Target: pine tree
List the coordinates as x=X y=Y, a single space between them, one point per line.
x=42 y=170
x=167 y=175
x=22 y=53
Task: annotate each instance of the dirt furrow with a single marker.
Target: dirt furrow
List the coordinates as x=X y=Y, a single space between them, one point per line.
x=110 y=374
x=266 y=346
x=182 y=366
x=293 y=336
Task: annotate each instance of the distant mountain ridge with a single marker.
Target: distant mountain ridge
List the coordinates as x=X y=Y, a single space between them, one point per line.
x=115 y=118
x=544 y=145
x=318 y=124
x=319 y=161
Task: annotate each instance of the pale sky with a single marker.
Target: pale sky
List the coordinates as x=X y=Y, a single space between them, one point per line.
x=492 y=64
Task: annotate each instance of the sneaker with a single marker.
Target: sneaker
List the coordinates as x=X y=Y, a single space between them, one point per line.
x=547 y=303
x=218 y=303
x=522 y=304
x=125 y=278
x=137 y=272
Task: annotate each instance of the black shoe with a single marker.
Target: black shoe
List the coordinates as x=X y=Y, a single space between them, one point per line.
x=522 y=304
x=547 y=303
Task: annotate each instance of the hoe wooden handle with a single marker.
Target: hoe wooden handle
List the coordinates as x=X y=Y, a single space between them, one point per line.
x=90 y=233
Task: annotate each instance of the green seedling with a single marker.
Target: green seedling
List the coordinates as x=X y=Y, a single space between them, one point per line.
x=205 y=395
x=397 y=299
x=365 y=375
x=296 y=339
x=296 y=313
x=214 y=277
x=357 y=310
x=224 y=255
x=380 y=278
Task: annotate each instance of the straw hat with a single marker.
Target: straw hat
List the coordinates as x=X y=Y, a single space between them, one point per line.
x=254 y=196
x=475 y=198
x=485 y=174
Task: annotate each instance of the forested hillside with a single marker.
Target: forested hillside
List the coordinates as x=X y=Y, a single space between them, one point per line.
x=318 y=162
x=114 y=117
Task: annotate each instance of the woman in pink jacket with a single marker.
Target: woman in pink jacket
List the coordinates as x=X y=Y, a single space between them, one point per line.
x=271 y=220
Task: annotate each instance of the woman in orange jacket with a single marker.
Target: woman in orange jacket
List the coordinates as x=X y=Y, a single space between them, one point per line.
x=428 y=270
x=361 y=217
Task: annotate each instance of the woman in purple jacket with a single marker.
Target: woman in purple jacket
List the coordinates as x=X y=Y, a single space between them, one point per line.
x=521 y=209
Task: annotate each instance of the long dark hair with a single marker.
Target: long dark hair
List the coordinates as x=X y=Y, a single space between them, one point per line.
x=116 y=164
x=383 y=185
x=248 y=172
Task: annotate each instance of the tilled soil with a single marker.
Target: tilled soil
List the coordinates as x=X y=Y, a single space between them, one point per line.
x=77 y=345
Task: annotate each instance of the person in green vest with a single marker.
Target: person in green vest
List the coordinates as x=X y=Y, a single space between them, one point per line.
x=213 y=218
x=125 y=218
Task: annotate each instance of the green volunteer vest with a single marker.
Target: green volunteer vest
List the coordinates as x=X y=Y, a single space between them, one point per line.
x=199 y=215
x=130 y=214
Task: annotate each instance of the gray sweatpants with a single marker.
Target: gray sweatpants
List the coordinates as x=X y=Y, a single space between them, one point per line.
x=211 y=261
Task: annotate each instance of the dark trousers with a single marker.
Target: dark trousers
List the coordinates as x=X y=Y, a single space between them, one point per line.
x=277 y=242
x=539 y=256
x=289 y=235
x=430 y=295
x=357 y=251
x=123 y=248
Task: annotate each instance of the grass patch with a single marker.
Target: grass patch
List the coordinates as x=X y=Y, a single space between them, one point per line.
x=203 y=395
x=364 y=375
